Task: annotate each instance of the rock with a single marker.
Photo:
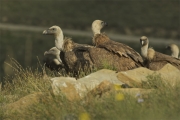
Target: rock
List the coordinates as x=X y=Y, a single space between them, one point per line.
x=106 y=88
x=94 y=79
x=76 y=89
x=65 y=86
x=170 y=74
x=135 y=77
x=102 y=88
x=102 y=81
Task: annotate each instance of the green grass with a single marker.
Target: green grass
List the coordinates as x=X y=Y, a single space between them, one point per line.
x=162 y=103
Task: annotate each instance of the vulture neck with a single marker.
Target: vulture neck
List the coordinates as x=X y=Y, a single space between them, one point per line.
x=59 y=41
x=175 y=54
x=96 y=31
x=144 y=50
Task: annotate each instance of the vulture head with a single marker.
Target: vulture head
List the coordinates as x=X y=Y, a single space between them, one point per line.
x=174 y=50
x=144 y=41
x=54 y=30
x=58 y=34
x=97 y=25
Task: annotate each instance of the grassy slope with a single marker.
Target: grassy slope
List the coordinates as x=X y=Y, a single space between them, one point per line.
x=162 y=103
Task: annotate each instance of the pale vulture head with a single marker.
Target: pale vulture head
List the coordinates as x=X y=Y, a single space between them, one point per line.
x=58 y=34
x=97 y=25
x=54 y=30
x=144 y=41
x=174 y=50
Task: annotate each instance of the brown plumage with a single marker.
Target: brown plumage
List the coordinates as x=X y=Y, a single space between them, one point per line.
x=106 y=58
x=127 y=58
x=156 y=60
x=76 y=57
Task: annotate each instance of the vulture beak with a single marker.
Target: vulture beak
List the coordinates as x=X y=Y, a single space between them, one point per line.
x=47 y=32
x=142 y=42
x=45 y=53
x=44 y=32
x=105 y=24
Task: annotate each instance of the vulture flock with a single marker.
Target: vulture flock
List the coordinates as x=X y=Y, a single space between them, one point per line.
x=74 y=57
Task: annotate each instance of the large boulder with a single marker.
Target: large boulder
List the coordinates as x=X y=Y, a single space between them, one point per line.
x=170 y=74
x=136 y=77
x=67 y=86
x=75 y=89
x=104 y=80
x=94 y=79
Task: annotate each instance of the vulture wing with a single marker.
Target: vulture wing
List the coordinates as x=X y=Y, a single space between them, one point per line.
x=102 y=41
x=159 y=60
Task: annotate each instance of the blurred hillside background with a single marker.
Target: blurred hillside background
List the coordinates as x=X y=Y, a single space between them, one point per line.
x=23 y=21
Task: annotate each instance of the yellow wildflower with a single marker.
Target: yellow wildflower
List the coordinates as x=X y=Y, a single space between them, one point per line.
x=84 y=116
x=117 y=87
x=119 y=96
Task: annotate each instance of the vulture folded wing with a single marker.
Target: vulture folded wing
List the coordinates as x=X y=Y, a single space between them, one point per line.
x=122 y=50
x=162 y=57
x=78 y=60
x=103 y=58
x=159 y=60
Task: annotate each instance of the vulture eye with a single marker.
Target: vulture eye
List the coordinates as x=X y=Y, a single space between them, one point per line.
x=53 y=29
x=104 y=23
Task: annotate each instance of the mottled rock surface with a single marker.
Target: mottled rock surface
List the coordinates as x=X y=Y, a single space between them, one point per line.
x=135 y=77
x=102 y=81
x=75 y=89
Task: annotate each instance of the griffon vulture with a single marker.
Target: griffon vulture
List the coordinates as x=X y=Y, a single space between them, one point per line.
x=155 y=60
x=126 y=58
x=75 y=57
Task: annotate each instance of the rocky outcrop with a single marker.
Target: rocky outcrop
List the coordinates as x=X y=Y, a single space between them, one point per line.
x=66 y=86
x=76 y=89
x=106 y=80
x=170 y=74
x=134 y=78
